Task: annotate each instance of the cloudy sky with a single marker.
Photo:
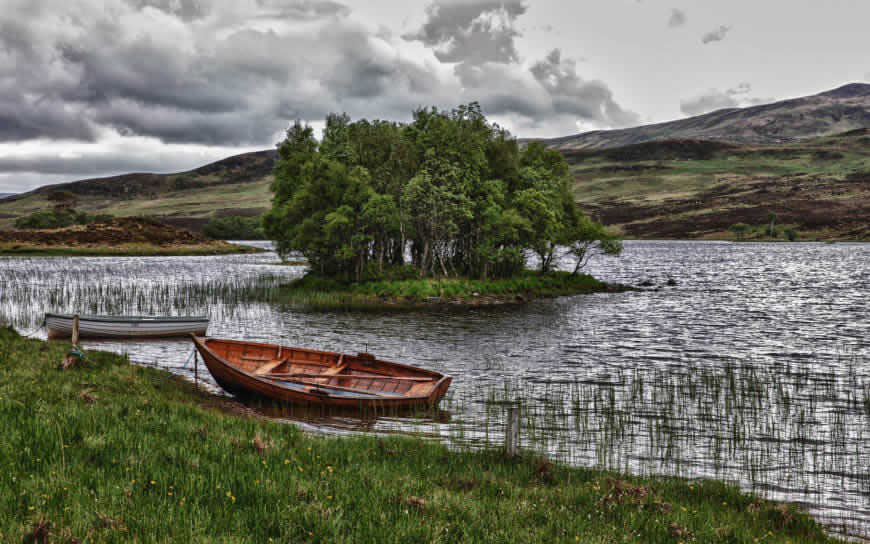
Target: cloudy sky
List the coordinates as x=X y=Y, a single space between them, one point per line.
x=100 y=87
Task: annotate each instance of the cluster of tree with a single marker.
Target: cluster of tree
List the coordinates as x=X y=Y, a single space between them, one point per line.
x=451 y=190
x=234 y=228
x=59 y=218
x=742 y=230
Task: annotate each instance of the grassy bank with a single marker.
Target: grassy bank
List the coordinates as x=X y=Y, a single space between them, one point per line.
x=407 y=289
x=124 y=250
x=102 y=453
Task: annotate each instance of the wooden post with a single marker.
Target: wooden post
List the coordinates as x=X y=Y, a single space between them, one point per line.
x=512 y=432
x=75 y=331
x=70 y=360
x=196 y=368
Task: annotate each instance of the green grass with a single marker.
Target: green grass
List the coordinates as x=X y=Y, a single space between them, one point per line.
x=101 y=453
x=124 y=250
x=406 y=289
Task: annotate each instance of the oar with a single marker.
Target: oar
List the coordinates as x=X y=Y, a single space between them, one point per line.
x=334 y=387
x=356 y=376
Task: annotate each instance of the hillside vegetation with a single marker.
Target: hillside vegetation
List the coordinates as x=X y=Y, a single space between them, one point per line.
x=698 y=189
x=235 y=186
x=689 y=178
x=113 y=236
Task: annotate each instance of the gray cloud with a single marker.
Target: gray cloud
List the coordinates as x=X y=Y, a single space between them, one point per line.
x=551 y=91
x=589 y=100
x=473 y=32
x=716 y=35
x=678 y=18
x=144 y=69
x=715 y=100
x=187 y=74
x=303 y=9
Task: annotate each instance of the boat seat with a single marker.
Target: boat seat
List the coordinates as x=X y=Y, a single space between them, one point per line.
x=270 y=366
x=332 y=371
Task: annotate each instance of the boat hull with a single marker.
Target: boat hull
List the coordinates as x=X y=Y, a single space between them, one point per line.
x=61 y=325
x=243 y=382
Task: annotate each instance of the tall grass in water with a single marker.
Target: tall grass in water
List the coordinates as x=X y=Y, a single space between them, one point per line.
x=786 y=432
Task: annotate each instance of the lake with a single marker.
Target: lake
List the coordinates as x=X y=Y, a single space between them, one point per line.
x=753 y=368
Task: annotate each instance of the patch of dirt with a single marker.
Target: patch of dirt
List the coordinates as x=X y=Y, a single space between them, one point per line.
x=119 y=231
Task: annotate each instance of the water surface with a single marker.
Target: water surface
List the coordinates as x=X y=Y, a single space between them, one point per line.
x=753 y=368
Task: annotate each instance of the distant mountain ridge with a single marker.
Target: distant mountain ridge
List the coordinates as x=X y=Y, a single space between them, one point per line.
x=4 y=195
x=788 y=121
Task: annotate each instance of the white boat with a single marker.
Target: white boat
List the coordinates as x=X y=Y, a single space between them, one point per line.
x=124 y=326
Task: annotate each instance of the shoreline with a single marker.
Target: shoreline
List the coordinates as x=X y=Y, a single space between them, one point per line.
x=125 y=250
x=104 y=451
x=416 y=293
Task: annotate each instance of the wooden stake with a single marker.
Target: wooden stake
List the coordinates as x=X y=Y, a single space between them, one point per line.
x=70 y=360
x=75 y=331
x=196 y=369
x=512 y=432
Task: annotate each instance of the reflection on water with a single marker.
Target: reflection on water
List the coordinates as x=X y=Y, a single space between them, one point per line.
x=753 y=368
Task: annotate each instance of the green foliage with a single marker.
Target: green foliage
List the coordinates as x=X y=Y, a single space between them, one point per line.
x=234 y=228
x=450 y=188
x=740 y=230
x=58 y=218
x=791 y=234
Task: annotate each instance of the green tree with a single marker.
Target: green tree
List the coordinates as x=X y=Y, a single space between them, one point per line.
x=450 y=189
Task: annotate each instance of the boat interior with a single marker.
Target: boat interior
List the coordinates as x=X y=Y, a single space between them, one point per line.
x=334 y=373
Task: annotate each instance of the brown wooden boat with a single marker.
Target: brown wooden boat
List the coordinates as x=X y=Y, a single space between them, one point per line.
x=306 y=376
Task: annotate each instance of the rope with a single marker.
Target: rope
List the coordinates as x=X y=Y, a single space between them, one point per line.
x=80 y=354
x=171 y=374
x=34 y=331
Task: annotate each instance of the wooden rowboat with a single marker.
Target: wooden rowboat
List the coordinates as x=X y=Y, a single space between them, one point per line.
x=100 y=326
x=306 y=376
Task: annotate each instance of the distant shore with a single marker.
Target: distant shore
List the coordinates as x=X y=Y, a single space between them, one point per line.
x=130 y=236
x=125 y=250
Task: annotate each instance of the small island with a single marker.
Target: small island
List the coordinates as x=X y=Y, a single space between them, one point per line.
x=448 y=208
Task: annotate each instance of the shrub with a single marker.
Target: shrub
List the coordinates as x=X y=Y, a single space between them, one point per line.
x=740 y=230
x=234 y=228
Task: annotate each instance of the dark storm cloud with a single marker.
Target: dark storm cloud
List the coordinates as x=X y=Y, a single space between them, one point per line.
x=678 y=18
x=471 y=32
x=143 y=68
x=234 y=72
x=716 y=35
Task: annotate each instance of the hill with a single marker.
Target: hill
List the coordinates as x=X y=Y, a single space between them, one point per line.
x=788 y=121
x=689 y=178
x=117 y=236
x=237 y=185
x=698 y=189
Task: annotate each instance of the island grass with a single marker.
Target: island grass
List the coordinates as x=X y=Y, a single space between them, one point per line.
x=104 y=453
x=124 y=250
x=405 y=289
